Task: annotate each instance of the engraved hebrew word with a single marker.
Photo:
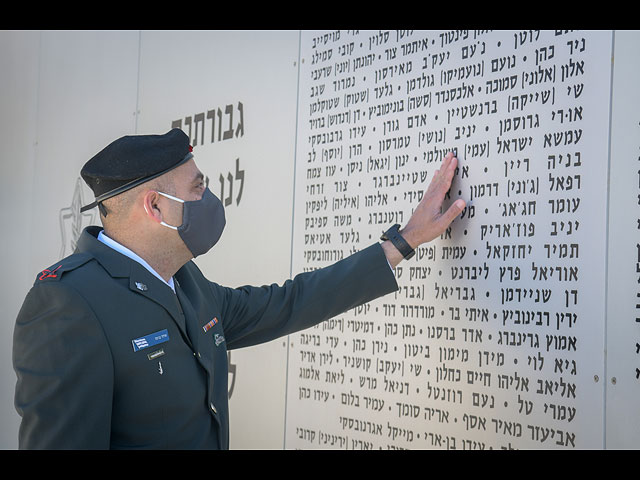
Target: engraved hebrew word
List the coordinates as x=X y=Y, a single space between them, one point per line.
x=216 y=125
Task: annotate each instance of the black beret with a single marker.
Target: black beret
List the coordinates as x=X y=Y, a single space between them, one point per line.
x=134 y=159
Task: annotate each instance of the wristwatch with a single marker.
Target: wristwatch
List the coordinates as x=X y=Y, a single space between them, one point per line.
x=398 y=241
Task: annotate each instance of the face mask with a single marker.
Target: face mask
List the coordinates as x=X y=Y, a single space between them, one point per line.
x=202 y=222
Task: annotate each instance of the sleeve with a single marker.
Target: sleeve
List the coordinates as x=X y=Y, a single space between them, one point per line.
x=254 y=315
x=64 y=372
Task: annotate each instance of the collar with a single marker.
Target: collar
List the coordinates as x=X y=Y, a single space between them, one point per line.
x=102 y=237
x=120 y=262
x=111 y=254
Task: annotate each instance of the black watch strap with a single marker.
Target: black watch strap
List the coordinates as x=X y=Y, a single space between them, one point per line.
x=393 y=235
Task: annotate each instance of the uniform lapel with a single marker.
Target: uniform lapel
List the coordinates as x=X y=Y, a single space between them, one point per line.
x=185 y=289
x=141 y=281
x=191 y=318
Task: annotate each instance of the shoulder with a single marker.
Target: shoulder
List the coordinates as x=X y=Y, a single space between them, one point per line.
x=54 y=302
x=55 y=272
x=52 y=289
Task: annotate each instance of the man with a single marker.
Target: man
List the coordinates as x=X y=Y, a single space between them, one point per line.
x=124 y=343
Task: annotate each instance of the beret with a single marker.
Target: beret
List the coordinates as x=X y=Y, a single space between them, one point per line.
x=132 y=160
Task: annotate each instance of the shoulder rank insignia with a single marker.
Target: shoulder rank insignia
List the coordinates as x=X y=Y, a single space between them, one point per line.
x=47 y=273
x=65 y=265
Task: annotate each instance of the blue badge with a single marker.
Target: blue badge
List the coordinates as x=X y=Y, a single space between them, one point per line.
x=150 y=340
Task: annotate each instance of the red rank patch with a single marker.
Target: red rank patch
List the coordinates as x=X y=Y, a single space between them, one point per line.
x=46 y=273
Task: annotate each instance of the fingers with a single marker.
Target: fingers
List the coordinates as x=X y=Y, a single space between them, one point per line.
x=452 y=212
x=451 y=162
x=444 y=175
x=428 y=221
x=449 y=165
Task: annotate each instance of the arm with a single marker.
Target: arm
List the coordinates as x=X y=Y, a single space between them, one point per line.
x=64 y=372
x=427 y=221
x=254 y=315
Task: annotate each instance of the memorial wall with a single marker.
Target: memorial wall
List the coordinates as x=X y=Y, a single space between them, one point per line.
x=495 y=337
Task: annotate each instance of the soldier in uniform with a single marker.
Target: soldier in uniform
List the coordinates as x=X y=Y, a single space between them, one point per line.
x=123 y=344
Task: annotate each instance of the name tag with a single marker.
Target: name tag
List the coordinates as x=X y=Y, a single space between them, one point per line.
x=150 y=340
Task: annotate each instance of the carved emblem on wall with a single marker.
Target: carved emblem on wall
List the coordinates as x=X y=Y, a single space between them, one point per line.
x=72 y=221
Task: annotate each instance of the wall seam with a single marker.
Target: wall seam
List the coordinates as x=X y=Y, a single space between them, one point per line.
x=137 y=110
x=293 y=216
x=606 y=249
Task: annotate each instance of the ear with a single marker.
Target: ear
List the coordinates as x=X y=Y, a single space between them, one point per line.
x=150 y=205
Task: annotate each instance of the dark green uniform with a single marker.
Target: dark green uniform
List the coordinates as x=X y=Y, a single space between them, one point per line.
x=107 y=356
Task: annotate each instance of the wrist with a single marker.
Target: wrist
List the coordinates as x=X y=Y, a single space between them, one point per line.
x=395 y=237
x=394 y=257
x=410 y=236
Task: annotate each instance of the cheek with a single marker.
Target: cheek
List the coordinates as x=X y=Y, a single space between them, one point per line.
x=173 y=215
x=178 y=214
x=197 y=192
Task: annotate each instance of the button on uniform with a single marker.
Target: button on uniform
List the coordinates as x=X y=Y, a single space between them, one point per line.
x=213 y=408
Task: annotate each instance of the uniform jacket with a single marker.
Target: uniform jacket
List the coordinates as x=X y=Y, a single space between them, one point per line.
x=107 y=356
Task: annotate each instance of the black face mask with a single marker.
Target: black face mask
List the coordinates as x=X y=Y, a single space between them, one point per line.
x=202 y=222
